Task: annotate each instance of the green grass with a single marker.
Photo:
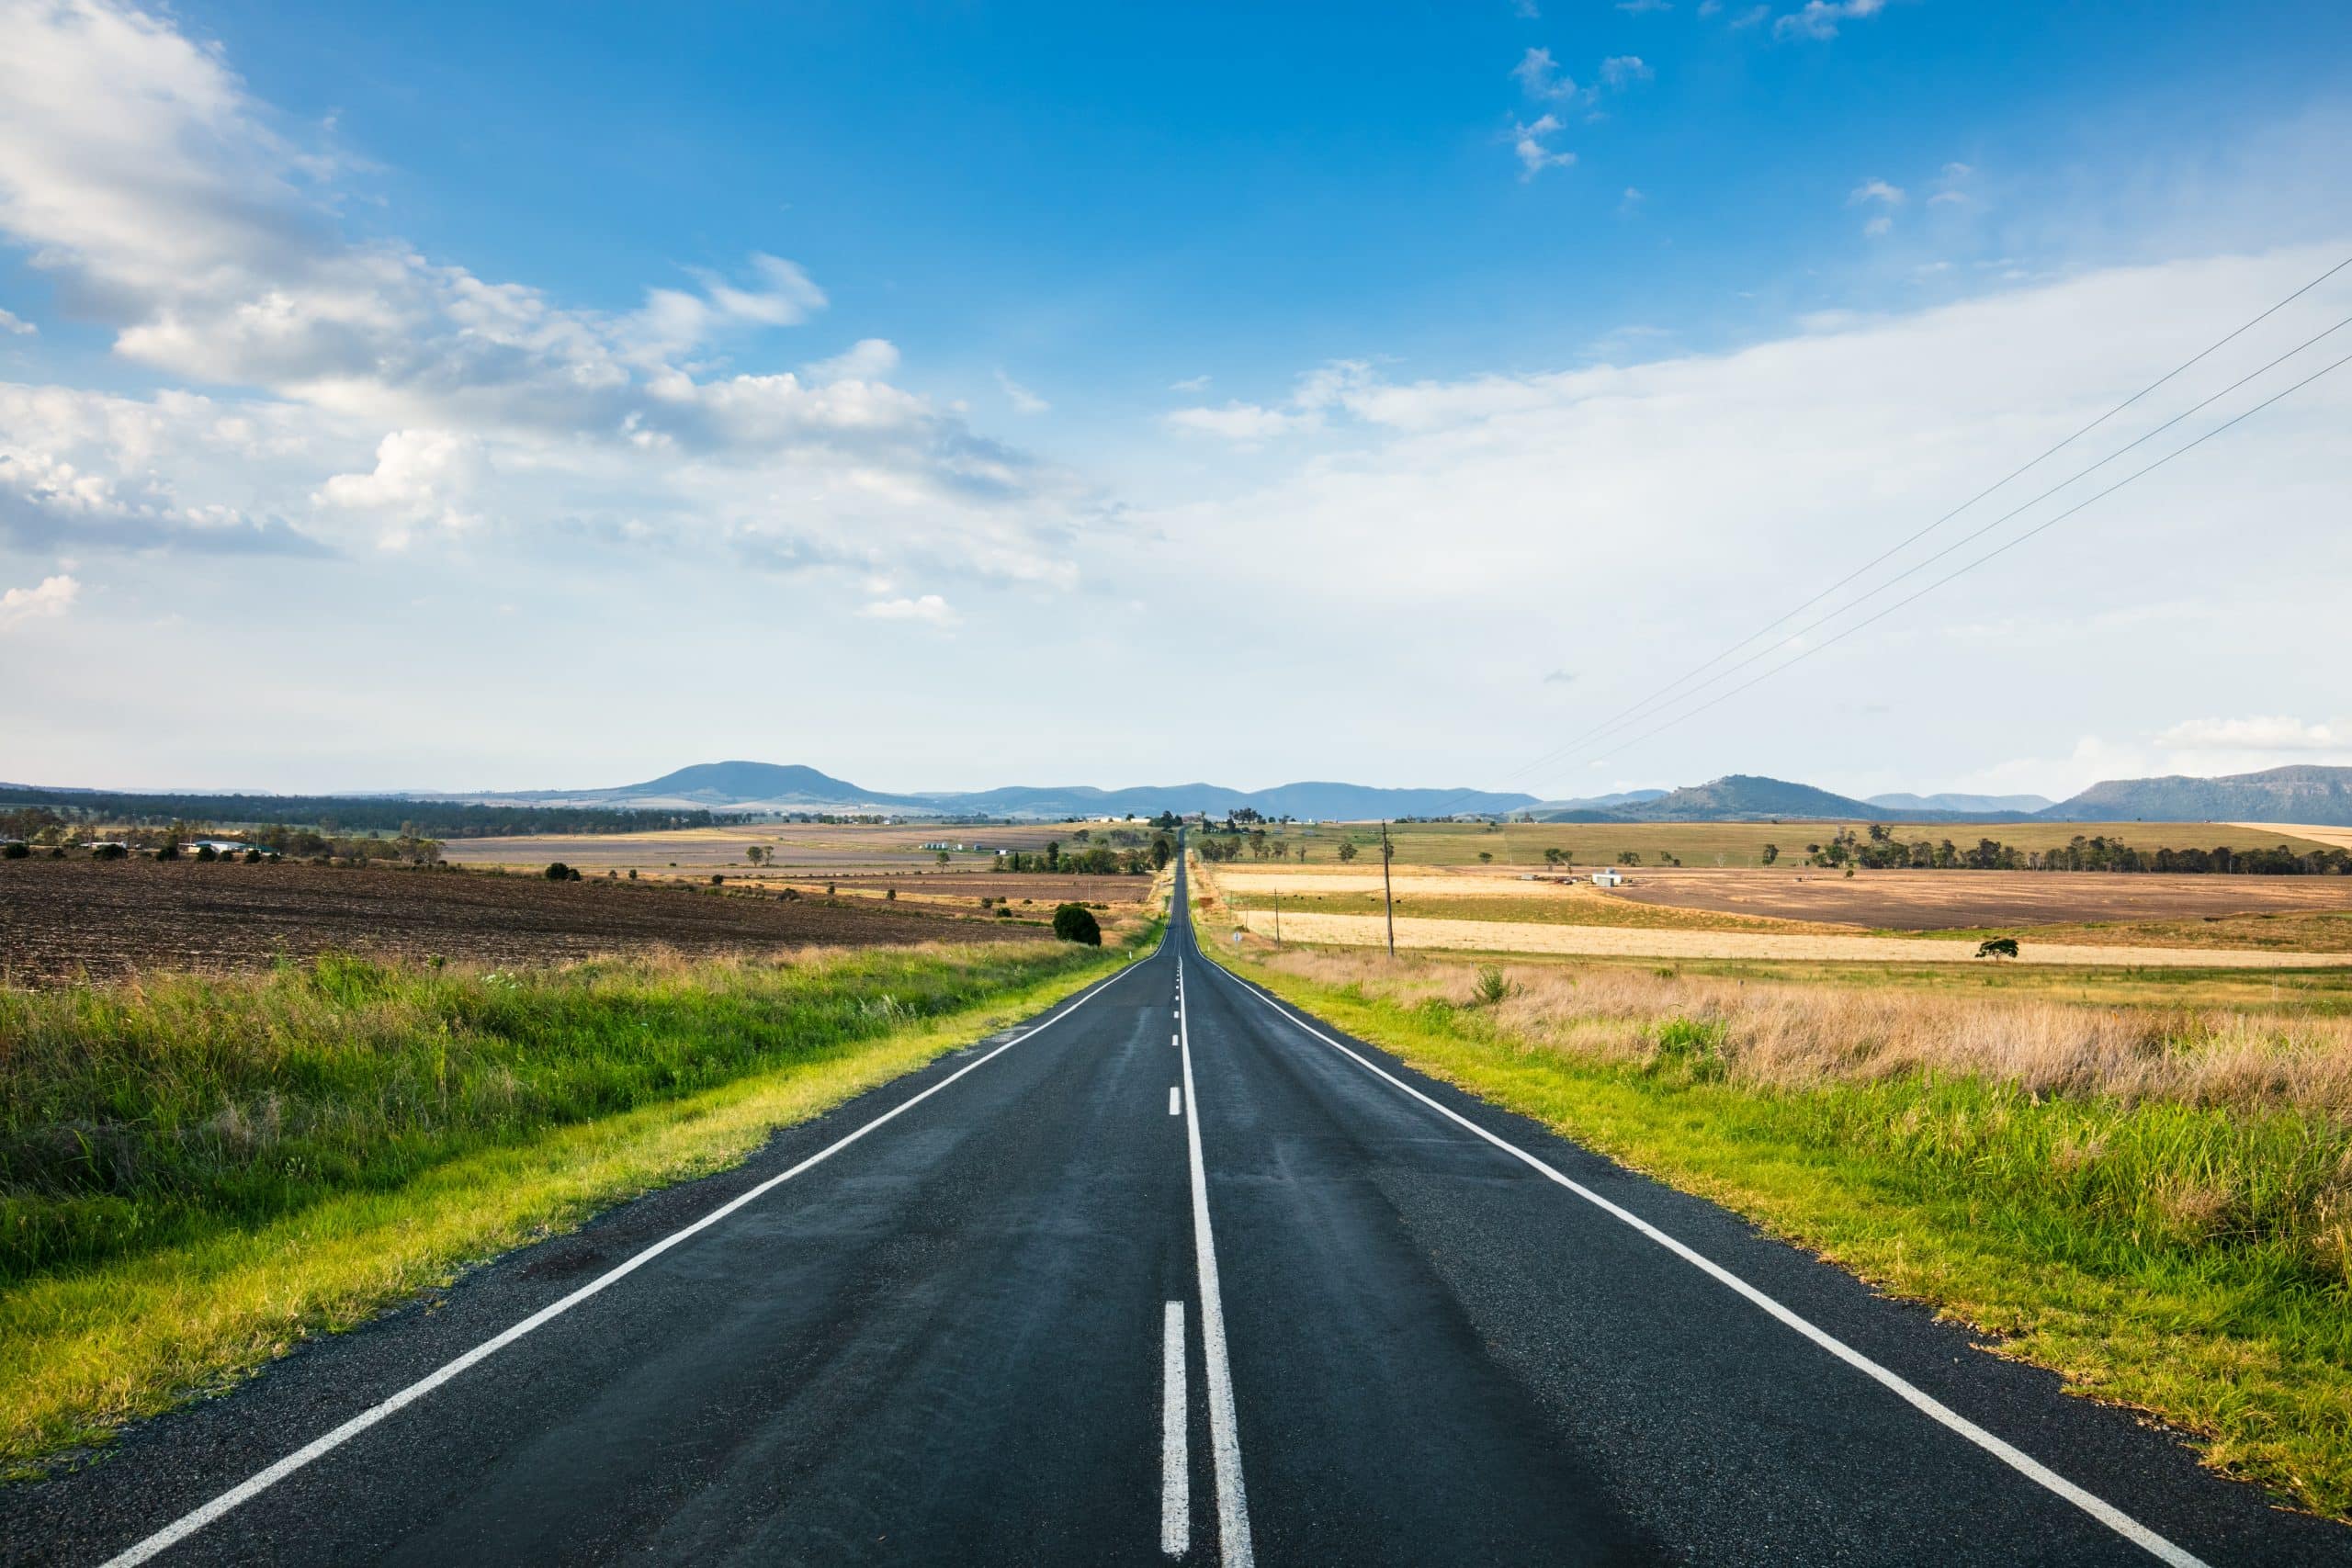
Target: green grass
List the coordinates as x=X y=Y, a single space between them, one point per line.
x=196 y=1173
x=2189 y=1260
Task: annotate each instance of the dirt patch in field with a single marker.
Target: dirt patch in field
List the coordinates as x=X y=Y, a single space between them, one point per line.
x=1939 y=900
x=62 y=920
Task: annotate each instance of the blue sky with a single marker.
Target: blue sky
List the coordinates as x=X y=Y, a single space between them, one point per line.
x=1429 y=383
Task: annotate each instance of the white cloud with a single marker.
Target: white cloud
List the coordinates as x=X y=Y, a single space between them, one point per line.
x=868 y=359
x=1246 y=423
x=1644 y=8
x=419 y=479
x=1527 y=514
x=1538 y=76
x=52 y=598
x=1022 y=400
x=930 y=609
x=15 y=325
x=1880 y=225
x=1534 y=157
x=1819 y=18
x=1875 y=189
x=1190 y=384
x=162 y=200
x=1754 y=15
x=2258 y=735
x=1619 y=69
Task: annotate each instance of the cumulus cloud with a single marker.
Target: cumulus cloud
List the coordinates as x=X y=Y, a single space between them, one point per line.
x=15 y=325
x=52 y=598
x=1243 y=423
x=1619 y=69
x=1539 y=76
x=163 y=199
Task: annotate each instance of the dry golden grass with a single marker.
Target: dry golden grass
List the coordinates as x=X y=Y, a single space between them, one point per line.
x=2337 y=837
x=1529 y=936
x=1791 y=1035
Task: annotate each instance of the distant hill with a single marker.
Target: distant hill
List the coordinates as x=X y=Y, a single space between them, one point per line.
x=1749 y=797
x=742 y=787
x=2303 y=793
x=2019 y=803
x=1603 y=802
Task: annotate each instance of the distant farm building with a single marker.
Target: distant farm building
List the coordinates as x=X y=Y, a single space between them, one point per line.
x=1609 y=876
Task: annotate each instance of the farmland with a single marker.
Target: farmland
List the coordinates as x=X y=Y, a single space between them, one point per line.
x=1738 y=843
x=64 y=920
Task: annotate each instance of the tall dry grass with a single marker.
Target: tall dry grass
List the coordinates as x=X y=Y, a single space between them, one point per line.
x=1801 y=1034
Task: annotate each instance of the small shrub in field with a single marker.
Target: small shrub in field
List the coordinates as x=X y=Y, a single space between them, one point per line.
x=1998 y=947
x=169 y=851
x=717 y=879
x=206 y=851
x=889 y=895
x=16 y=851
x=109 y=852
x=253 y=857
x=1004 y=911
x=1076 y=922
x=1492 y=988
x=558 y=871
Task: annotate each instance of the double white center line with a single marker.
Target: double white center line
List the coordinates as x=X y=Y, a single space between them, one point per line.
x=1224 y=1433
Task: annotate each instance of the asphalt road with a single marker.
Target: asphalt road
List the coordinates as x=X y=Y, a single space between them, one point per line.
x=1167 y=1274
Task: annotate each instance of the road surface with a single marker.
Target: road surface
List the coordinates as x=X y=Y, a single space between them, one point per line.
x=1167 y=1274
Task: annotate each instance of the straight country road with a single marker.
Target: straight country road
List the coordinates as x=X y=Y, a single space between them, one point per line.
x=1171 y=1273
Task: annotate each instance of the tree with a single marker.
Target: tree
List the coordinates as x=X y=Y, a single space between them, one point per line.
x=1054 y=854
x=1162 y=852
x=1485 y=857
x=1552 y=857
x=756 y=853
x=558 y=871
x=1998 y=947
x=1347 y=849
x=1771 y=854
x=1629 y=857
x=1076 y=922
x=943 y=857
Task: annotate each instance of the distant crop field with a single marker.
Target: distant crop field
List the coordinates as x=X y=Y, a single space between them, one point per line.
x=817 y=847
x=1932 y=900
x=1736 y=843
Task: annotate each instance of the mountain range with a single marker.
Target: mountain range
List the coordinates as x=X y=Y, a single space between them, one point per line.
x=2298 y=793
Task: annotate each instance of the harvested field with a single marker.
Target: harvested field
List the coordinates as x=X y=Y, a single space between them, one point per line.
x=1510 y=936
x=1043 y=888
x=1941 y=900
x=63 y=920
x=819 y=848
x=2334 y=838
x=1740 y=844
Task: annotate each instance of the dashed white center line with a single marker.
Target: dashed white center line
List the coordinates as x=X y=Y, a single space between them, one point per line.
x=1175 y=1464
x=1175 y=1100
x=1224 y=1428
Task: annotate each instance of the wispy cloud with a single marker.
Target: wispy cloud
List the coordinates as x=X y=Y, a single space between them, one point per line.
x=1619 y=69
x=930 y=609
x=1022 y=400
x=15 y=325
x=1190 y=384
x=1534 y=156
x=2275 y=733
x=1820 y=18
x=1538 y=76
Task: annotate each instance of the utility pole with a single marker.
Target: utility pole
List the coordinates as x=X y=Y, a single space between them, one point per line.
x=1387 y=902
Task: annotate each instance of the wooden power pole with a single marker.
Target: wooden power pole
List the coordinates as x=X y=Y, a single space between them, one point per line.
x=1387 y=902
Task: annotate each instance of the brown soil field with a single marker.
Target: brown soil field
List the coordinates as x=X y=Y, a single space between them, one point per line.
x=1942 y=900
x=63 y=920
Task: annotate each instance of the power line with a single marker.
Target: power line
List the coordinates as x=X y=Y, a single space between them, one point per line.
x=1635 y=710
x=1976 y=534
x=1971 y=566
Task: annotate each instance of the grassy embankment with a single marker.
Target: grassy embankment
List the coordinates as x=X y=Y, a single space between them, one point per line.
x=196 y=1173
x=2155 y=1201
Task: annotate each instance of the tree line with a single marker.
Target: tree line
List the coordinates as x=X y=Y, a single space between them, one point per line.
x=1880 y=849
x=335 y=816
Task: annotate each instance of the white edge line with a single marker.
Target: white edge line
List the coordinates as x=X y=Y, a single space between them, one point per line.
x=1225 y=1429
x=262 y=1481
x=1175 y=1463
x=2034 y=1470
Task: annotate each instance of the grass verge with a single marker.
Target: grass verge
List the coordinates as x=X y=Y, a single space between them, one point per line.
x=572 y=1102
x=2181 y=1250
